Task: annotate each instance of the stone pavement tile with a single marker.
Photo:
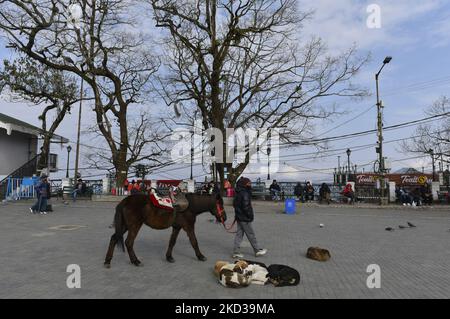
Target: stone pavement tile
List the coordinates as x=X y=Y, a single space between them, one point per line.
x=415 y=263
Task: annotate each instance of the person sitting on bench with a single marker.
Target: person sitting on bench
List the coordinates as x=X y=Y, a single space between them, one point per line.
x=309 y=192
x=299 y=192
x=427 y=196
x=80 y=189
x=275 y=191
x=325 y=193
x=349 y=193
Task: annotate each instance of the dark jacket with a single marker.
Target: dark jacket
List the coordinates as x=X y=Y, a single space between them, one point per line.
x=298 y=190
x=243 y=205
x=275 y=187
x=324 y=189
x=43 y=190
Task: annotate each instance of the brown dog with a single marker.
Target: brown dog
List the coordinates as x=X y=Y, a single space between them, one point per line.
x=318 y=254
x=218 y=267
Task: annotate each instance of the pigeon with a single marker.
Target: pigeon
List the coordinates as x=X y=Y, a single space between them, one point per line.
x=390 y=229
x=402 y=227
x=411 y=225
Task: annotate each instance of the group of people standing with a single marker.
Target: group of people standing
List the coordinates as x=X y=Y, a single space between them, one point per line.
x=135 y=187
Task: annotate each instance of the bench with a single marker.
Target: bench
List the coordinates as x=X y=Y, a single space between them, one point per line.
x=68 y=191
x=259 y=191
x=443 y=197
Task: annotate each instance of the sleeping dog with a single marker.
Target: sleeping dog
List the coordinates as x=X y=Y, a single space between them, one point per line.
x=241 y=274
x=281 y=275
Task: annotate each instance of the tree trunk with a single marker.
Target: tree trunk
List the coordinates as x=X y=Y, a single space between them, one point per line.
x=43 y=157
x=121 y=174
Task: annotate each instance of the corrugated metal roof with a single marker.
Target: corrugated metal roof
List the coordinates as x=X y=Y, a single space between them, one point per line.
x=12 y=124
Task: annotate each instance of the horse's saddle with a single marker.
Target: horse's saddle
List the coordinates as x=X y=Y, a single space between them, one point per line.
x=175 y=201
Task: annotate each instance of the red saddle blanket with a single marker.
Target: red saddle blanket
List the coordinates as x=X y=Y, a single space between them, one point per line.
x=161 y=202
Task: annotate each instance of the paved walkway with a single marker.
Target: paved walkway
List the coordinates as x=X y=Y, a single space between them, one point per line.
x=415 y=262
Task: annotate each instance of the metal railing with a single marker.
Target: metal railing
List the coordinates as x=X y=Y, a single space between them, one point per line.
x=28 y=169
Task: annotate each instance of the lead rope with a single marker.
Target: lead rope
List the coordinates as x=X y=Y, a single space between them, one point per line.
x=219 y=210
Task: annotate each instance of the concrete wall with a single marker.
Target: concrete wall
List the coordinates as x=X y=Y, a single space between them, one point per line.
x=15 y=150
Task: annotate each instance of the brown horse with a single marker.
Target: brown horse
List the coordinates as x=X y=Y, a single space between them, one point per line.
x=136 y=210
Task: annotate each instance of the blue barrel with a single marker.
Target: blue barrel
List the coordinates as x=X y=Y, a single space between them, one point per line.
x=290 y=206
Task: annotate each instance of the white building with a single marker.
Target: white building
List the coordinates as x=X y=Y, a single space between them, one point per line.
x=19 y=145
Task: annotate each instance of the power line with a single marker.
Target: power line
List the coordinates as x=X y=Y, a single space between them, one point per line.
x=348 y=121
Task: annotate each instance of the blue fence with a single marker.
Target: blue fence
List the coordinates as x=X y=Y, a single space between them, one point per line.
x=20 y=188
x=24 y=188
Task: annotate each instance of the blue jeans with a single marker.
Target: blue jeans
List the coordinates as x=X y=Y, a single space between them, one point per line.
x=74 y=194
x=275 y=194
x=41 y=204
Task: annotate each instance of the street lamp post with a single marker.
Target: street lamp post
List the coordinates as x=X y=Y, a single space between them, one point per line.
x=349 y=170
x=349 y=152
x=431 y=152
x=69 y=149
x=380 y=131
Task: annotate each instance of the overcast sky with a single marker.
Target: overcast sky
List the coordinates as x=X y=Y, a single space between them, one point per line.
x=415 y=33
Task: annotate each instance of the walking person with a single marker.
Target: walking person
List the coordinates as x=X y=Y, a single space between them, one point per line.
x=244 y=218
x=43 y=193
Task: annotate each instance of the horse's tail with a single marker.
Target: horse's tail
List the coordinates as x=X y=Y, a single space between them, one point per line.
x=118 y=223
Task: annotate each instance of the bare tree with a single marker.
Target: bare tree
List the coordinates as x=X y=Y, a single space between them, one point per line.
x=243 y=64
x=146 y=147
x=51 y=89
x=99 y=42
x=432 y=136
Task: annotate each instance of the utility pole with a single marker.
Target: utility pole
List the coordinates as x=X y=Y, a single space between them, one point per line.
x=339 y=171
x=269 y=151
x=77 y=155
x=380 y=133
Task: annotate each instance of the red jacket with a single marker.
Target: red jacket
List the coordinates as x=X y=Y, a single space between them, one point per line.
x=348 y=190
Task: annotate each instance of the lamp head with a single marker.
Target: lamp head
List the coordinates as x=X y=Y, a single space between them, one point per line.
x=387 y=60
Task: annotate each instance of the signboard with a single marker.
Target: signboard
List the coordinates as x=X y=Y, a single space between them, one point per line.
x=399 y=179
x=168 y=183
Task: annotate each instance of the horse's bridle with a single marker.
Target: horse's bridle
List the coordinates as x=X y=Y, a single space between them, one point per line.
x=220 y=214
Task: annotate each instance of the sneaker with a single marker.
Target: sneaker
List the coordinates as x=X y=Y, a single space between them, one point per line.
x=261 y=252
x=31 y=211
x=43 y=213
x=238 y=255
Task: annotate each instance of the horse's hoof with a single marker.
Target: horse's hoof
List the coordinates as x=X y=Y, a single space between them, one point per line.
x=107 y=266
x=170 y=259
x=202 y=258
x=137 y=263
